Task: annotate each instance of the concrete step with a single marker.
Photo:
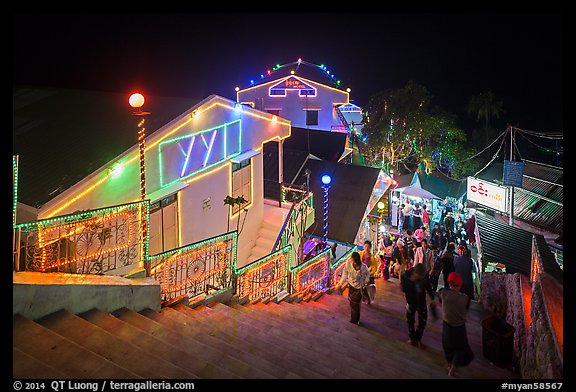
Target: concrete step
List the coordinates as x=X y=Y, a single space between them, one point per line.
x=107 y=345
x=206 y=331
x=331 y=352
x=194 y=364
x=187 y=343
x=27 y=367
x=254 y=339
x=268 y=233
x=68 y=357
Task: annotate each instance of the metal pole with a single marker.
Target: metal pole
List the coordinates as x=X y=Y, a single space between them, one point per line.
x=511 y=199
x=325 y=214
x=141 y=137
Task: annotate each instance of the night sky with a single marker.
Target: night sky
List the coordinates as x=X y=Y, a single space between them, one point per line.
x=518 y=56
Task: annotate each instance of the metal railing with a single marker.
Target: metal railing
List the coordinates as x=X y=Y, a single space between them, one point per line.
x=194 y=269
x=264 y=277
x=302 y=202
x=89 y=242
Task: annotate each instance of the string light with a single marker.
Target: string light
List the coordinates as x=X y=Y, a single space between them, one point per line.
x=303 y=274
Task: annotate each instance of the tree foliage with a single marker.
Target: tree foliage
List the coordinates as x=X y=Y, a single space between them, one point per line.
x=403 y=127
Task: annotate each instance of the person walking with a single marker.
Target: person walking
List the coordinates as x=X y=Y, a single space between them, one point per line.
x=457 y=351
x=437 y=237
x=424 y=255
x=401 y=218
x=408 y=215
x=400 y=259
x=415 y=285
x=370 y=261
x=356 y=275
x=416 y=216
x=409 y=245
x=425 y=218
x=470 y=227
x=465 y=267
x=420 y=234
x=447 y=262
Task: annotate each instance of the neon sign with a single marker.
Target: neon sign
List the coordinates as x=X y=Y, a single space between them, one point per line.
x=291 y=83
x=187 y=155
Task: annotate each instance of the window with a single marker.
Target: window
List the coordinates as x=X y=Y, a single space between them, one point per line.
x=163 y=225
x=311 y=117
x=241 y=181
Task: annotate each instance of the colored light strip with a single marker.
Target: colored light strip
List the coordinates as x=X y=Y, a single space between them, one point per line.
x=209 y=148
x=187 y=155
x=321 y=259
x=15 y=183
x=43 y=242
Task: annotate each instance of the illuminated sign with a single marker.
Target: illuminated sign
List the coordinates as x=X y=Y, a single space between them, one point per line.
x=292 y=83
x=487 y=193
x=184 y=156
x=350 y=108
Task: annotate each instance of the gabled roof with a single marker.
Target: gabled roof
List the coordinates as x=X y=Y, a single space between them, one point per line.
x=348 y=197
x=328 y=146
x=63 y=135
x=511 y=246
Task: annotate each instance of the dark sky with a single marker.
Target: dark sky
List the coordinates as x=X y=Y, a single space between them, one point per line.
x=455 y=55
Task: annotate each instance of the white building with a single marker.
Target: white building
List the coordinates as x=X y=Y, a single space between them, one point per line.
x=193 y=162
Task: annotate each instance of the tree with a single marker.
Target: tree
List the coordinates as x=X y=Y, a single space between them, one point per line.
x=485 y=107
x=403 y=128
x=240 y=201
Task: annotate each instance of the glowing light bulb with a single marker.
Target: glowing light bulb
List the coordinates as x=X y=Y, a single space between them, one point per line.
x=136 y=100
x=326 y=179
x=348 y=89
x=237 y=89
x=380 y=205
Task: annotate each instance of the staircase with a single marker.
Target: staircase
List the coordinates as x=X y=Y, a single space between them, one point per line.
x=269 y=229
x=310 y=339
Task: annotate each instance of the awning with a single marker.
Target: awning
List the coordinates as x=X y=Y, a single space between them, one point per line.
x=166 y=191
x=245 y=155
x=419 y=192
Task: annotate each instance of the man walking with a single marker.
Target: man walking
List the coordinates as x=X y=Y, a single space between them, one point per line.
x=415 y=285
x=357 y=275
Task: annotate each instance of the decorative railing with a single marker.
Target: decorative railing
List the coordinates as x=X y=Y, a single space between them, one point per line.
x=106 y=240
x=302 y=203
x=194 y=269
x=311 y=276
x=264 y=277
x=338 y=265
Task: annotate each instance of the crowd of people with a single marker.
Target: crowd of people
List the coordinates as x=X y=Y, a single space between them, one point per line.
x=418 y=259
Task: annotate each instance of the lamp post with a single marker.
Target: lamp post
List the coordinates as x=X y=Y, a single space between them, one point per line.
x=326 y=180
x=136 y=100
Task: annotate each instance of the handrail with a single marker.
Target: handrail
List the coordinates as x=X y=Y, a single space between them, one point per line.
x=281 y=233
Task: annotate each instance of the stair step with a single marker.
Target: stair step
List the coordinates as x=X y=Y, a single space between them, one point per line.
x=27 y=367
x=331 y=352
x=294 y=356
x=206 y=329
x=185 y=342
x=61 y=353
x=105 y=344
x=195 y=364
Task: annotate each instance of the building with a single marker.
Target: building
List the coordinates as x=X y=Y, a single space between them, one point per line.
x=195 y=156
x=307 y=103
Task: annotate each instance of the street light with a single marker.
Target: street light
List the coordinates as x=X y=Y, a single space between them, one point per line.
x=326 y=180
x=136 y=100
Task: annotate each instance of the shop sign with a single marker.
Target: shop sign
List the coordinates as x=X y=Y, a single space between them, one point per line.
x=291 y=83
x=488 y=194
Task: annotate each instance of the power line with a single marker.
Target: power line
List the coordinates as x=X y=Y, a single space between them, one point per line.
x=552 y=135
x=539 y=146
x=487 y=147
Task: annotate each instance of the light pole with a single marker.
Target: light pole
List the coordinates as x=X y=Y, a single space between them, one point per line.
x=326 y=180
x=136 y=100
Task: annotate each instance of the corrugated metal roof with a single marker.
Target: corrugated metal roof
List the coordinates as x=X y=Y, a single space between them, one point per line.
x=63 y=135
x=511 y=246
x=538 y=180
